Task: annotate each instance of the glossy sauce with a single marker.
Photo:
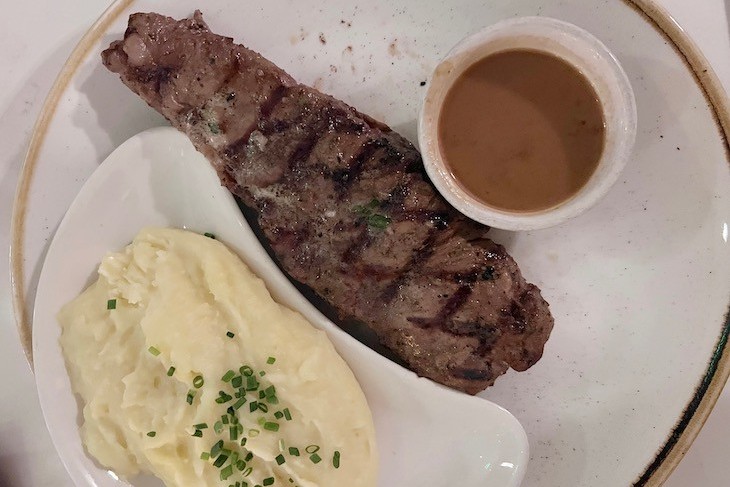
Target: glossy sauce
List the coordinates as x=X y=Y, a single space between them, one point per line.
x=521 y=130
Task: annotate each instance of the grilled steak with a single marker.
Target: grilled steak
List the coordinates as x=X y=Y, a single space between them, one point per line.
x=344 y=203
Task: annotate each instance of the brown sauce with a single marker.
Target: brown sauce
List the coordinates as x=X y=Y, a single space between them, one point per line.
x=521 y=130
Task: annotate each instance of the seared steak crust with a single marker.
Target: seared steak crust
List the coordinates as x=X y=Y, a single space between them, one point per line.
x=344 y=203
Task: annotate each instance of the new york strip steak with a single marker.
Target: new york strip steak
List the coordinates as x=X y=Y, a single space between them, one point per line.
x=344 y=203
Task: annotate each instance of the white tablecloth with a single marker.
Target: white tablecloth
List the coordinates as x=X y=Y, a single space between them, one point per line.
x=36 y=38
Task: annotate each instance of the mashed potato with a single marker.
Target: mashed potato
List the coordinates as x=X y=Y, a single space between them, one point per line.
x=190 y=371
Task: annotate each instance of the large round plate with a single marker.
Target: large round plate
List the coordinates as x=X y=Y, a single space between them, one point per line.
x=638 y=285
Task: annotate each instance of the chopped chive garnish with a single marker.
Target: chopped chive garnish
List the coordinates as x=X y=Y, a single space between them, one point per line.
x=223 y=398
x=240 y=465
x=278 y=415
x=209 y=235
x=220 y=460
x=287 y=414
x=271 y=426
x=216 y=449
x=247 y=472
x=251 y=383
x=249 y=457
x=233 y=433
x=230 y=334
x=205 y=455
x=191 y=396
x=281 y=444
x=153 y=351
x=198 y=381
x=378 y=221
x=232 y=412
x=246 y=370
x=268 y=481
x=151 y=434
x=262 y=394
x=270 y=360
x=224 y=419
x=234 y=457
x=170 y=371
x=312 y=449
x=336 y=459
x=243 y=440
x=262 y=373
x=253 y=406
x=261 y=421
x=198 y=433
x=315 y=458
x=239 y=403
x=253 y=433
x=263 y=407
x=237 y=381
x=214 y=128
x=228 y=376
x=111 y=304
x=270 y=391
x=218 y=427
x=226 y=452
x=272 y=400
x=293 y=451
x=200 y=426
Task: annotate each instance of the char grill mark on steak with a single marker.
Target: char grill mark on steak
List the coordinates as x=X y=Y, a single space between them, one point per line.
x=449 y=302
x=304 y=149
x=276 y=97
x=419 y=255
x=345 y=177
x=353 y=252
x=450 y=307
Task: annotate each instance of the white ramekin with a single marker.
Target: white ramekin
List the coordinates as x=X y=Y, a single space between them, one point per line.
x=575 y=46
